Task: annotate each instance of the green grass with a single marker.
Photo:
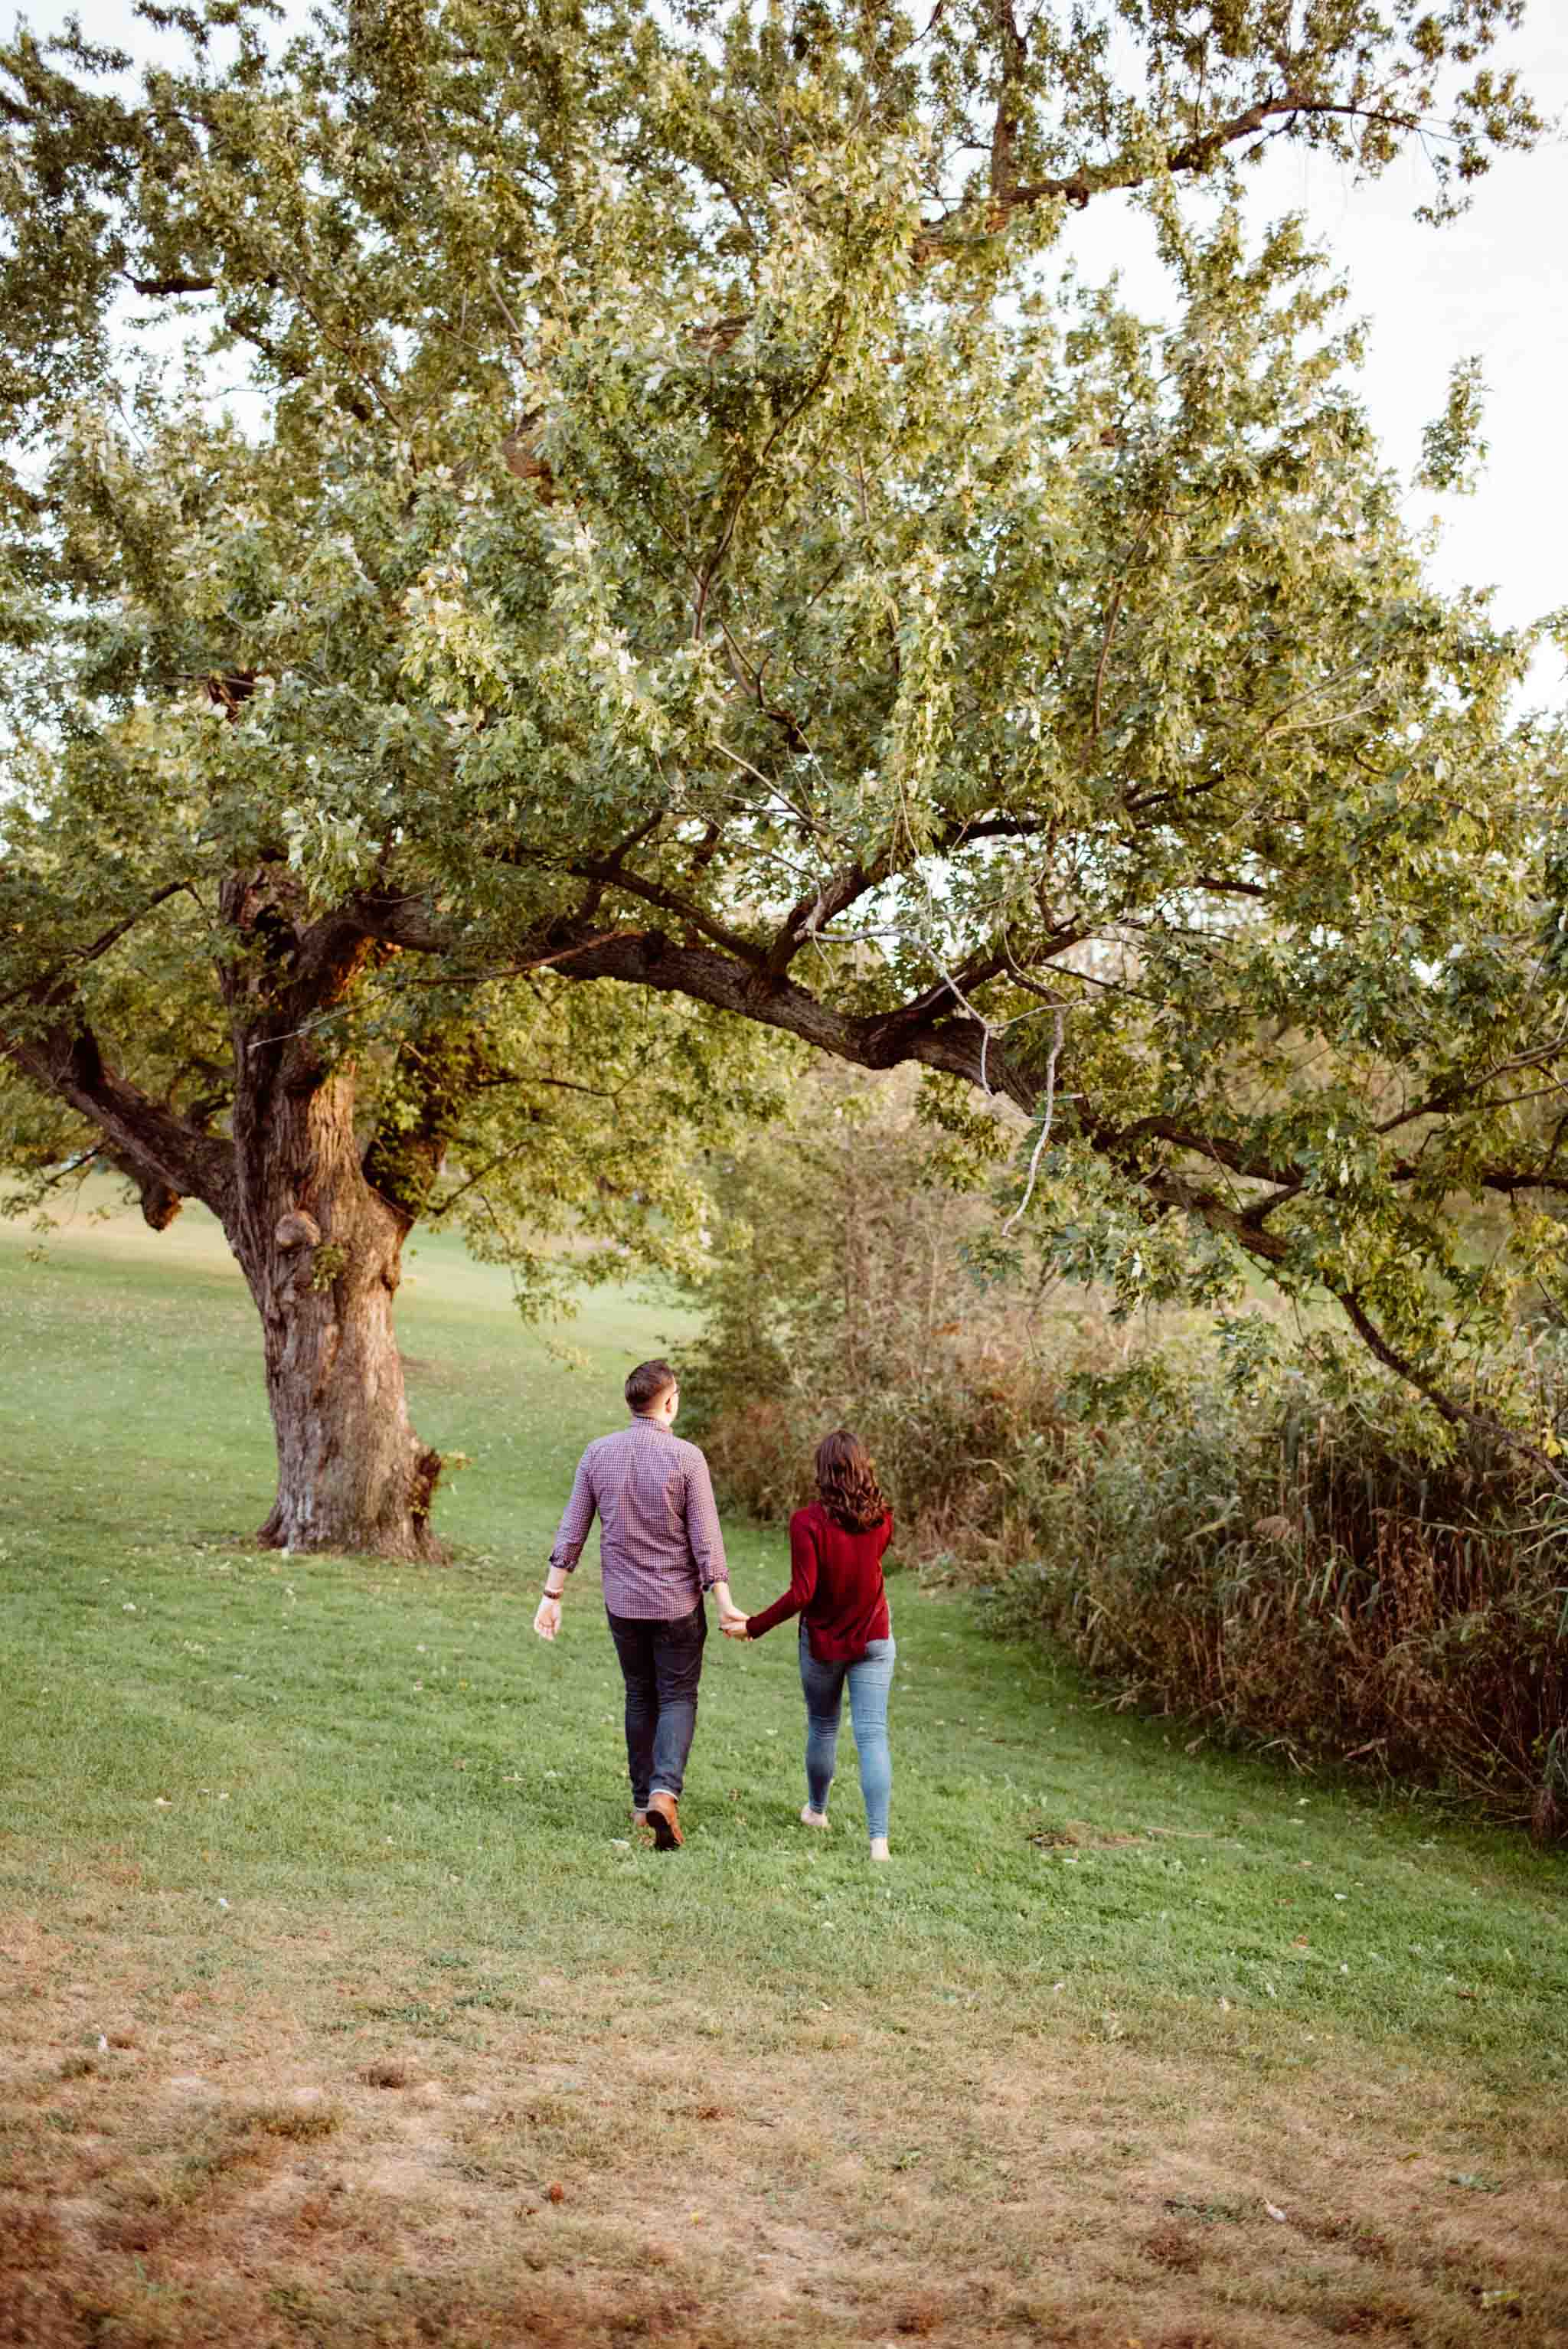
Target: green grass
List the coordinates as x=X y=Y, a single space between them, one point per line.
x=271 y=1825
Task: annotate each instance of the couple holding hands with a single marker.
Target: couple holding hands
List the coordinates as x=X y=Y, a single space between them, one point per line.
x=661 y=1552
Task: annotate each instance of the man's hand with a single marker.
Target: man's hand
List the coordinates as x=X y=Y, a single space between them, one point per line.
x=731 y=1617
x=547 y=1618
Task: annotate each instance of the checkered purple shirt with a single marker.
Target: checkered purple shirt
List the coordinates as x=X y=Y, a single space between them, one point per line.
x=659 y=1543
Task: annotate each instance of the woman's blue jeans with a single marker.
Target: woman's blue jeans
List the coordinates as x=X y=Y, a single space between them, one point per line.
x=869 y=1679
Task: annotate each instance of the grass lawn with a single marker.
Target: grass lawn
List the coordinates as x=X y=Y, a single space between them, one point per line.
x=339 y=2008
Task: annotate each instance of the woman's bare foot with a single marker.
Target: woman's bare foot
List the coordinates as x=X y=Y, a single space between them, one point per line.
x=879 y=1847
x=810 y=1819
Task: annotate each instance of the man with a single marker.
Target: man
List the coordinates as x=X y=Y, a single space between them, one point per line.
x=660 y=1550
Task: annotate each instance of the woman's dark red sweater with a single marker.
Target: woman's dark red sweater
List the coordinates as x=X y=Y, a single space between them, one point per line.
x=835 y=1587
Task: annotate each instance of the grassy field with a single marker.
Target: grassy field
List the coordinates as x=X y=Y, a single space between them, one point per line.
x=340 y=2008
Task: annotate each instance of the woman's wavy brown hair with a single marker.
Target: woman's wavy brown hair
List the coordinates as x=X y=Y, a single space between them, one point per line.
x=846 y=1482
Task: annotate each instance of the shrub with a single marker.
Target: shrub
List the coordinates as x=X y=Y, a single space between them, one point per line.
x=850 y=1285
x=1318 y=1574
x=1293 y=1553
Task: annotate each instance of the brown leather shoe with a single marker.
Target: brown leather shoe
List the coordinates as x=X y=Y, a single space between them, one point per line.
x=664 y=1818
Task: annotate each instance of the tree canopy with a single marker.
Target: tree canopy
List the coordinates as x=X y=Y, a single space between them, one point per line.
x=543 y=541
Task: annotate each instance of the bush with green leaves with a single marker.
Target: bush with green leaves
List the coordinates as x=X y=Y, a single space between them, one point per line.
x=1254 y=1528
x=855 y=1278
x=1304 y=1562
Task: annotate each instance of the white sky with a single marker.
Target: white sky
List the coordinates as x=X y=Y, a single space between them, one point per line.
x=1493 y=282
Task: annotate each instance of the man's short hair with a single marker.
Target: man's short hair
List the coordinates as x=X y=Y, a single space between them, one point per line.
x=647 y=1383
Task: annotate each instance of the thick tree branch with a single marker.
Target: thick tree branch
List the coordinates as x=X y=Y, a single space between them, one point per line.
x=1285 y=1182
x=954 y=987
x=159 y=288
x=1468 y=1088
x=1265 y=1249
x=963 y=1048
x=1013 y=48
x=403 y=1161
x=167 y=1158
x=398 y=918
x=39 y=990
x=612 y=875
x=1456 y=1414
x=1221 y=1215
x=809 y=916
x=1193 y=155
x=751 y=991
x=1509 y=1181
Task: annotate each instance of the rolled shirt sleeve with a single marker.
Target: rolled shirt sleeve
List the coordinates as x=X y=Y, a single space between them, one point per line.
x=577 y=1518
x=702 y=1523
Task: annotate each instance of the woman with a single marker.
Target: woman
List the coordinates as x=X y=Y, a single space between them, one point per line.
x=846 y=1633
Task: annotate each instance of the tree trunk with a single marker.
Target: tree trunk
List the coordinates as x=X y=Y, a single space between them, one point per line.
x=319 y=1245
x=322 y=1252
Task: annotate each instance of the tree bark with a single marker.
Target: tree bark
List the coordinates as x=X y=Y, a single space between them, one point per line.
x=322 y=1253
x=320 y=1247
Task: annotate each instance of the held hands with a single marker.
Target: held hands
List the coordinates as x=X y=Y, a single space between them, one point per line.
x=547 y=1618
x=731 y=1621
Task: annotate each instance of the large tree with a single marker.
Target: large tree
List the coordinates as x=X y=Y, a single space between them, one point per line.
x=537 y=537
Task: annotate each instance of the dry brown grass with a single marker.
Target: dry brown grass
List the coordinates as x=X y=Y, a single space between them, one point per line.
x=241 y=2169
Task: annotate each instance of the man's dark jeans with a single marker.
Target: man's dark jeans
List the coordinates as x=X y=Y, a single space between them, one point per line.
x=661 y=1664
